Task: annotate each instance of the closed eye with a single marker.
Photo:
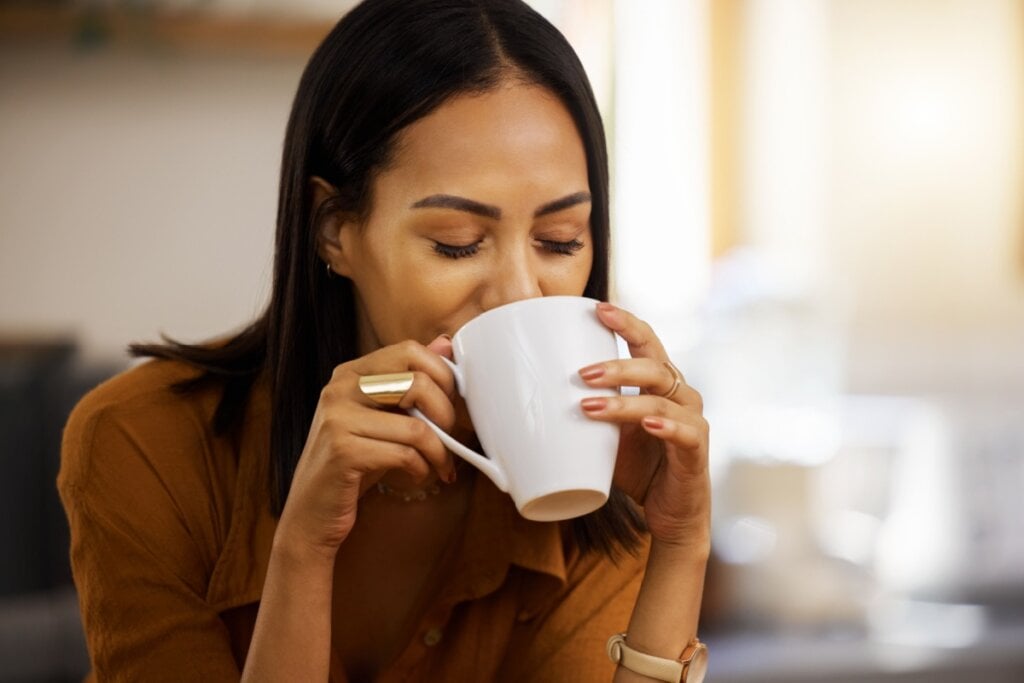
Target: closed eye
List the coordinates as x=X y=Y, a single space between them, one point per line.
x=455 y=251
x=564 y=248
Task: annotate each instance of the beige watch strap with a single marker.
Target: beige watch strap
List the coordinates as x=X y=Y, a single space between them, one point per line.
x=658 y=668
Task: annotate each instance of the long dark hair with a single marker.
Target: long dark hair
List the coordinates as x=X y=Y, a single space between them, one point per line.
x=386 y=64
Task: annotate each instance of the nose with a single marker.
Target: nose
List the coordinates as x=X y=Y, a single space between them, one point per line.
x=516 y=277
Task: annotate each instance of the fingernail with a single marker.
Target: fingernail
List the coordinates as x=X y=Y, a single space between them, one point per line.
x=593 y=405
x=451 y=476
x=612 y=313
x=653 y=423
x=592 y=372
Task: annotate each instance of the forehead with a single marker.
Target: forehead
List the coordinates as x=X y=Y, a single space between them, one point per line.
x=518 y=133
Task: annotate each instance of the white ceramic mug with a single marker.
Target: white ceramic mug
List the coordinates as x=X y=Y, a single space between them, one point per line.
x=517 y=366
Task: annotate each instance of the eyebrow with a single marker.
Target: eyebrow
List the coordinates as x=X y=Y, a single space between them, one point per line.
x=449 y=201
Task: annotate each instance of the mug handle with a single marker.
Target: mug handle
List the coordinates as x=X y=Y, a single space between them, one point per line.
x=481 y=462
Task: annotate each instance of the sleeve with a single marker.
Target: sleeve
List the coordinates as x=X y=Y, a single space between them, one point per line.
x=140 y=572
x=565 y=642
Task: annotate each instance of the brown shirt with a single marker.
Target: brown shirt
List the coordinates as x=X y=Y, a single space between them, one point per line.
x=171 y=533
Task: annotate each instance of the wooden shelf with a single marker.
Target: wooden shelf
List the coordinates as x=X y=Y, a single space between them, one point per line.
x=179 y=32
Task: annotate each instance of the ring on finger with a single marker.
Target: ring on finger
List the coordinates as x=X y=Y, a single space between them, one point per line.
x=386 y=390
x=677 y=379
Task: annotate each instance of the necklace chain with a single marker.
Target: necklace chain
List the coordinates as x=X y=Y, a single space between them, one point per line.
x=415 y=495
x=409 y=495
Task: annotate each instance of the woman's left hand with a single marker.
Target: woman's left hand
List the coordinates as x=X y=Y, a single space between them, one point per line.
x=662 y=461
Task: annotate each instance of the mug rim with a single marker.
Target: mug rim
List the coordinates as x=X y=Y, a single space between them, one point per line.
x=523 y=302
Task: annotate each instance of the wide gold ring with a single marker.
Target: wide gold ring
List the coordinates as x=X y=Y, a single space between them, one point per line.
x=386 y=390
x=677 y=379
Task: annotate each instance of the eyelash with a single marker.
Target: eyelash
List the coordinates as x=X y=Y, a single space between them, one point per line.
x=456 y=252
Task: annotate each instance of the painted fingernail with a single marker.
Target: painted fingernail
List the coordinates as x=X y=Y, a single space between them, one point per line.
x=451 y=476
x=592 y=372
x=653 y=423
x=593 y=405
x=612 y=314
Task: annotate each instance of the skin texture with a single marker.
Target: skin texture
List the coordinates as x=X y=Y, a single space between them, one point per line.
x=516 y=151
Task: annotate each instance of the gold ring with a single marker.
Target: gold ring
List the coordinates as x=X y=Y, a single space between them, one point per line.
x=676 y=375
x=386 y=390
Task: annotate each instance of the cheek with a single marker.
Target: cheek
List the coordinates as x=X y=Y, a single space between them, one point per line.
x=568 y=275
x=434 y=298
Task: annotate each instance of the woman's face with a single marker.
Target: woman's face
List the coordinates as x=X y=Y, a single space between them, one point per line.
x=486 y=202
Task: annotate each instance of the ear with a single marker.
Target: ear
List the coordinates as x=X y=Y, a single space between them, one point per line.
x=330 y=229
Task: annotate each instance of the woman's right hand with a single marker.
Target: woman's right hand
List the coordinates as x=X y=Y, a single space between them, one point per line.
x=353 y=442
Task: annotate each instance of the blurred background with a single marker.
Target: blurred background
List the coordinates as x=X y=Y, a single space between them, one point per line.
x=819 y=204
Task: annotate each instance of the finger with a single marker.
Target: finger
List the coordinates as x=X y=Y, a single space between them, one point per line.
x=431 y=400
x=686 y=433
x=408 y=431
x=442 y=346
x=690 y=439
x=378 y=456
x=653 y=376
x=640 y=337
x=424 y=394
x=633 y=409
x=403 y=357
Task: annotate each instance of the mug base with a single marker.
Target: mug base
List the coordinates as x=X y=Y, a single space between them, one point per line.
x=562 y=505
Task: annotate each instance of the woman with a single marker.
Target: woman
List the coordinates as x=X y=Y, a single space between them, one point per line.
x=242 y=508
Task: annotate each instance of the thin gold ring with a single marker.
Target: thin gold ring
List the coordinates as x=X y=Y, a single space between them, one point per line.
x=676 y=376
x=386 y=390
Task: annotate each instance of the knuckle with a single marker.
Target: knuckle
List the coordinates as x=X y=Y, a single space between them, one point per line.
x=409 y=347
x=329 y=394
x=330 y=425
x=342 y=370
x=433 y=452
x=417 y=430
x=447 y=421
x=703 y=425
x=413 y=463
x=409 y=456
x=419 y=379
x=698 y=400
x=341 y=442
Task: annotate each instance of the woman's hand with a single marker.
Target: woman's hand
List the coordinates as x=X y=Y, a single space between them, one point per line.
x=663 y=450
x=353 y=441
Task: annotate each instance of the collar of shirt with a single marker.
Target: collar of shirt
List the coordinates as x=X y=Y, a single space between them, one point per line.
x=495 y=536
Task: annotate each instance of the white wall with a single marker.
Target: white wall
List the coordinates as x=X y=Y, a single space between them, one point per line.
x=927 y=179
x=137 y=192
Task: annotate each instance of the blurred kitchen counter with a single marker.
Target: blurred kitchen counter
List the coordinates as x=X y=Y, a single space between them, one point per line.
x=996 y=657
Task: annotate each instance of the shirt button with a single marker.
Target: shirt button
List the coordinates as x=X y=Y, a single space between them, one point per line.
x=432 y=637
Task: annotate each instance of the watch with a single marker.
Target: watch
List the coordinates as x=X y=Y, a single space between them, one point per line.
x=690 y=667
